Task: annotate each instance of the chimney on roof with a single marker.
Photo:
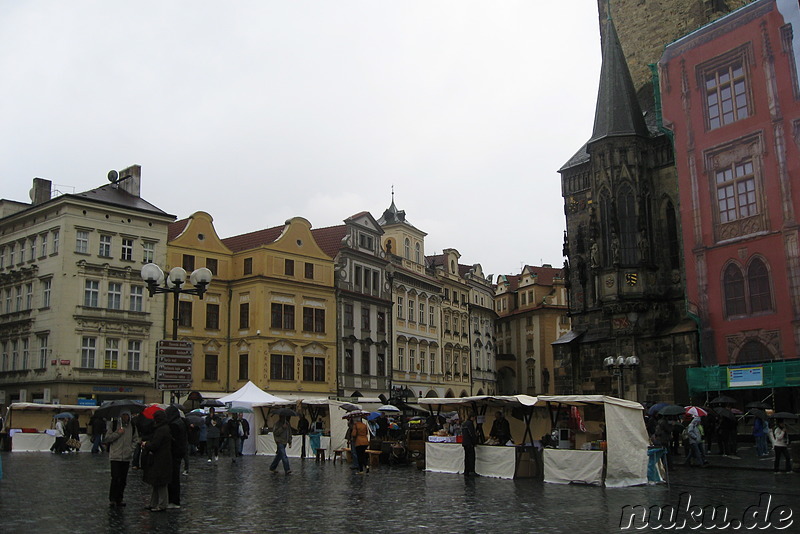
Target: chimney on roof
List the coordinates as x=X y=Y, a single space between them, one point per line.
x=130 y=180
x=40 y=192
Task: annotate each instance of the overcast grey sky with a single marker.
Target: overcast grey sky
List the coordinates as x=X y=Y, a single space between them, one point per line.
x=257 y=111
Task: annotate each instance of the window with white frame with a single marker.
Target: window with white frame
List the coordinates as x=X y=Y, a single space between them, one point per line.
x=11 y=249
x=148 y=251
x=25 y=353
x=91 y=293
x=134 y=354
x=47 y=286
x=421 y=313
x=412 y=305
x=82 y=242
x=432 y=361
x=431 y=316
x=127 y=249
x=32 y=242
x=44 y=340
x=44 y=246
x=137 y=298
x=88 y=351
x=18 y=299
x=401 y=358
x=400 y=308
x=114 y=296
x=412 y=360
x=8 y=300
x=14 y=354
x=407 y=249
x=112 y=354
x=417 y=253
x=422 y=361
x=22 y=251
x=105 y=246
x=55 y=241
x=29 y=296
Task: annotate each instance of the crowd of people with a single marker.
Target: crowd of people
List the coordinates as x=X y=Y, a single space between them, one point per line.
x=699 y=434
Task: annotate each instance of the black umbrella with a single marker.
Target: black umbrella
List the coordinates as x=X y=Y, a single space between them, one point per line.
x=758 y=412
x=196 y=420
x=672 y=409
x=726 y=413
x=348 y=407
x=114 y=408
x=286 y=412
x=212 y=403
x=784 y=415
x=653 y=410
x=757 y=404
x=722 y=399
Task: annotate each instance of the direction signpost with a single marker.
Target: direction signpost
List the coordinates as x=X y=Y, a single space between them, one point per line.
x=174 y=365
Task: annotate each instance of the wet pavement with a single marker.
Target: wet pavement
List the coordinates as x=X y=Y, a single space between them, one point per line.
x=42 y=492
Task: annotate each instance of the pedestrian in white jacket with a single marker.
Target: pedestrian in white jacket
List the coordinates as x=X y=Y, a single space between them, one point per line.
x=121 y=443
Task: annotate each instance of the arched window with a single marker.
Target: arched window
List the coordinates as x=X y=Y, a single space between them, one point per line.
x=606 y=228
x=759 y=287
x=417 y=254
x=733 y=286
x=407 y=249
x=629 y=231
x=673 y=243
x=753 y=351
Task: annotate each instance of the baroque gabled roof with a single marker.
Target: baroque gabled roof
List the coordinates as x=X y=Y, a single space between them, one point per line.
x=253 y=240
x=617 y=112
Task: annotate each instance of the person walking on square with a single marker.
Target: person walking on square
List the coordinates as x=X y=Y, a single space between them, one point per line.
x=780 y=442
x=359 y=436
x=98 y=427
x=157 y=462
x=121 y=438
x=282 y=433
x=233 y=427
x=695 y=433
x=469 y=438
x=179 y=449
x=244 y=434
x=59 y=445
x=213 y=433
x=760 y=431
x=73 y=431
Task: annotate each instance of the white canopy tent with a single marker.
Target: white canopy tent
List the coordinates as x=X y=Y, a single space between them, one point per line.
x=626 y=436
x=247 y=396
x=334 y=422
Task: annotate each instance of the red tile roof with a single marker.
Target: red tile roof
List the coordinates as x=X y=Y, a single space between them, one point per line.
x=330 y=239
x=253 y=240
x=175 y=229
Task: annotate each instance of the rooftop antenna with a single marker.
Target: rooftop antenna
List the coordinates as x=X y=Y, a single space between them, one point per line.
x=392 y=193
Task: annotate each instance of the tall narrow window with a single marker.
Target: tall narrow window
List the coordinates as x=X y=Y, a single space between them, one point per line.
x=185 y=313
x=211 y=367
x=248 y=266
x=244 y=316
x=400 y=308
x=629 y=238
x=349 y=365
x=606 y=227
x=188 y=263
x=733 y=284
x=417 y=253
x=25 y=353
x=81 y=243
x=29 y=296
x=114 y=296
x=88 y=351
x=244 y=367
x=44 y=246
x=381 y=365
x=407 y=249
x=381 y=322
x=288 y=267
x=112 y=354
x=105 y=246
x=736 y=192
x=348 y=315
x=309 y=271
x=759 y=287
x=212 y=316
x=673 y=243
x=32 y=243
x=127 y=249
x=137 y=298
x=148 y=251
x=431 y=316
x=44 y=350
x=365 y=363
x=401 y=358
x=91 y=293
x=364 y=317
x=411 y=308
x=134 y=354
x=421 y=313
x=47 y=286
x=55 y=241
x=212 y=265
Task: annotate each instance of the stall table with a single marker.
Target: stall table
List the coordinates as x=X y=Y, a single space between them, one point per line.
x=41 y=441
x=265 y=445
x=490 y=461
x=564 y=466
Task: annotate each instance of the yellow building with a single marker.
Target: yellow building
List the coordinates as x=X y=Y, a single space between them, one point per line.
x=269 y=313
x=532 y=314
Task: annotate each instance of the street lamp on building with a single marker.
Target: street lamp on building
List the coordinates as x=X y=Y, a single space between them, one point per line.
x=617 y=367
x=173 y=283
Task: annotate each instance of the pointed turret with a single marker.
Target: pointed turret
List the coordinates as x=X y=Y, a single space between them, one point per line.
x=618 y=112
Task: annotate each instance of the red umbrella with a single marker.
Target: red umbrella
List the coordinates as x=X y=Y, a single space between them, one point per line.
x=696 y=411
x=152 y=409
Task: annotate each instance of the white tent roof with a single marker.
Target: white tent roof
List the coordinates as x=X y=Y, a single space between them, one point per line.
x=251 y=394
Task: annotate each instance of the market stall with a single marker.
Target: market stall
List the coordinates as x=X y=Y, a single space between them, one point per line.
x=444 y=454
x=335 y=427
x=622 y=455
x=30 y=425
x=246 y=397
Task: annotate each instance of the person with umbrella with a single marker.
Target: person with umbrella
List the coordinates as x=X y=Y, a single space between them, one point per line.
x=282 y=434
x=233 y=428
x=157 y=462
x=60 y=444
x=359 y=437
x=695 y=434
x=179 y=450
x=73 y=431
x=121 y=441
x=780 y=443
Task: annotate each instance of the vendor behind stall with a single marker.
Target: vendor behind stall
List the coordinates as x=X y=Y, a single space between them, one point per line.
x=501 y=430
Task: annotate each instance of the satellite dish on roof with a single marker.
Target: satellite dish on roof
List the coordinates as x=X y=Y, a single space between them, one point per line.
x=113 y=176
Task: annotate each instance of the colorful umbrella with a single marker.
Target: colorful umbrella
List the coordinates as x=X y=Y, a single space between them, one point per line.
x=64 y=415
x=152 y=409
x=696 y=411
x=355 y=414
x=388 y=408
x=240 y=409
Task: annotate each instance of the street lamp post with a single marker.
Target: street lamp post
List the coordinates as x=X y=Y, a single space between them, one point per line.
x=173 y=283
x=617 y=367
x=154 y=276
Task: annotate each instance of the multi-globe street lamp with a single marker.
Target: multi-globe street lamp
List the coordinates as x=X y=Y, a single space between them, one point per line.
x=173 y=283
x=617 y=367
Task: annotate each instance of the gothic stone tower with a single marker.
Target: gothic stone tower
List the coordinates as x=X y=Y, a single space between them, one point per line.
x=623 y=268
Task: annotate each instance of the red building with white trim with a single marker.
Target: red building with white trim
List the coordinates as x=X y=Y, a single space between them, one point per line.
x=730 y=98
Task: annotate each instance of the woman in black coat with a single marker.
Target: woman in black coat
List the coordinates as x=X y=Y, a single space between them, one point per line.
x=157 y=462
